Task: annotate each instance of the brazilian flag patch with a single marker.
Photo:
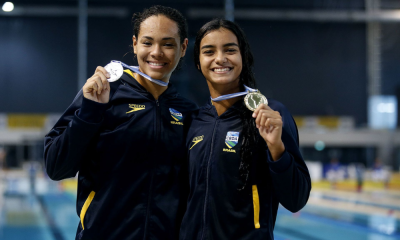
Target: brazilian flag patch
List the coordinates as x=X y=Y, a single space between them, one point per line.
x=231 y=139
x=177 y=116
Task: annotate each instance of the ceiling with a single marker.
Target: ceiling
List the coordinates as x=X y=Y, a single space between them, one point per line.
x=270 y=4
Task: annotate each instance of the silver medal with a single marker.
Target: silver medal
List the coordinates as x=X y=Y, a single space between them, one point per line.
x=115 y=70
x=254 y=99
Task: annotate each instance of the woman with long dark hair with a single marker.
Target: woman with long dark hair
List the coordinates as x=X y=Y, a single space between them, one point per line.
x=242 y=164
x=127 y=138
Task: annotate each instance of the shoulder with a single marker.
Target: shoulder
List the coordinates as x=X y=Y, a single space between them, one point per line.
x=199 y=112
x=190 y=104
x=280 y=107
x=205 y=109
x=76 y=103
x=288 y=122
x=127 y=74
x=182 y=103
x=204 y=113
x=276 y=105
x=114 y=86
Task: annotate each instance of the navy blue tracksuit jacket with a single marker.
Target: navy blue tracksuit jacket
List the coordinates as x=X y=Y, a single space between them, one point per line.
x=216 y=209
x=130 y=155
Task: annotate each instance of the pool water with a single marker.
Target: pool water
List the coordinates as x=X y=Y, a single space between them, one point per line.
x=51 y=215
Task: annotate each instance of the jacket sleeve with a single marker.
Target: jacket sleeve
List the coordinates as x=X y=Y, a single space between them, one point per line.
x=290 y=176
x=66 y=144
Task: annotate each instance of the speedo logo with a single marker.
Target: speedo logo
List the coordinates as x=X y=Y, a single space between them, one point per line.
x=136 y=107
x=196 y=140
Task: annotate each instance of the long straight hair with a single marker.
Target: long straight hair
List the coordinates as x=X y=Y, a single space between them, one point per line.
x=250 y=138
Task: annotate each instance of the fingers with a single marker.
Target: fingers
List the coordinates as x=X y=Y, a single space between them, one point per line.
x=267 y=118
x=98 y=81
x=102 y=70
x=94 y=86
x=272 y=123
x=97 y=88
x=259 y=108
x=262 y=118
x=105 y=82
x=103 y=74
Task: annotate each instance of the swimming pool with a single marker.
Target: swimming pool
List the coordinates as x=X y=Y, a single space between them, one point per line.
x=329 y=215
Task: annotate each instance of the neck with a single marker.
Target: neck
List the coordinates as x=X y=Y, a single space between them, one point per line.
x=224 y=105
x=219 y=90
x=153 y=88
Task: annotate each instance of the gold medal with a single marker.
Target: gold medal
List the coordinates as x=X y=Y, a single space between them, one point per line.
x=254 y=99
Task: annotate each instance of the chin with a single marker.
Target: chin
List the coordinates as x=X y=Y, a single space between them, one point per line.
x=153 y=74
x=156 y=76
x=224 y=81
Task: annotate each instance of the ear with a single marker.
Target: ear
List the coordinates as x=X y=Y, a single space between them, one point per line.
x=134 y=40
x=184 y=47
x=198 y=67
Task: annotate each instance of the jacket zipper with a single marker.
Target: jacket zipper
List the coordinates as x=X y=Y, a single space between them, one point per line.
x=152 y=170
x=208 y=168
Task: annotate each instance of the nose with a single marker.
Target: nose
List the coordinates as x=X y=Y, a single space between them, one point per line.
x=221 y=58
x=157 y=51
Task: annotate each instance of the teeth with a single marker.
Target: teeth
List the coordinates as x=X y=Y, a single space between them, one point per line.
x=156 y=64
x=221 y=69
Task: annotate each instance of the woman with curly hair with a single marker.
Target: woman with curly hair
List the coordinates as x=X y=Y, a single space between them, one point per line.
x=126 y=138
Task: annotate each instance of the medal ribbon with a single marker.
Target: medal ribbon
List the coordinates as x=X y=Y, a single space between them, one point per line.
x=136 y=70
x=232 y=95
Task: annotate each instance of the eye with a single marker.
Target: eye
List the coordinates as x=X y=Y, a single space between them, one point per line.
x=231 y=50
x=147 y=43
x=208 y=52
x=169 y=45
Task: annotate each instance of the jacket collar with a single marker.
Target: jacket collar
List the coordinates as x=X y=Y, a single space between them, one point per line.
x=233 y=110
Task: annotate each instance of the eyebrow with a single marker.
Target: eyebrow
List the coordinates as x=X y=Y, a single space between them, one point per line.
x=225 y=45
x=166 y=38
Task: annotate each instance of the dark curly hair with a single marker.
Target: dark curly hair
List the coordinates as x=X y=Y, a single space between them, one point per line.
x=168 y=12
x=250 y=136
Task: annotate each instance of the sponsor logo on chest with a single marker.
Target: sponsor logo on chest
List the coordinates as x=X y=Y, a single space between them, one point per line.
x=196 y=140
x=136 y=107
x=177 y=116
x=232 y=138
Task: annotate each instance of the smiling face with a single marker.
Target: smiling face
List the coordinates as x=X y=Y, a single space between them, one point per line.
x=158 y=47
x=220 y=58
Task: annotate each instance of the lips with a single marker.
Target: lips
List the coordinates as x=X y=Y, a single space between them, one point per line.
x=222 y=69
x=156 y=64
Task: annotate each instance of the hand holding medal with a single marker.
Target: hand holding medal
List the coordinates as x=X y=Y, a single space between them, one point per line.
x=268 y=121
x=97 y=88
x=270 y=124
x=116 y=69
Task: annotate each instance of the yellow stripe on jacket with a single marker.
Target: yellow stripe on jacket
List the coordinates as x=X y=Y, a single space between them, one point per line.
x=256 y=205
x=86 y=206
